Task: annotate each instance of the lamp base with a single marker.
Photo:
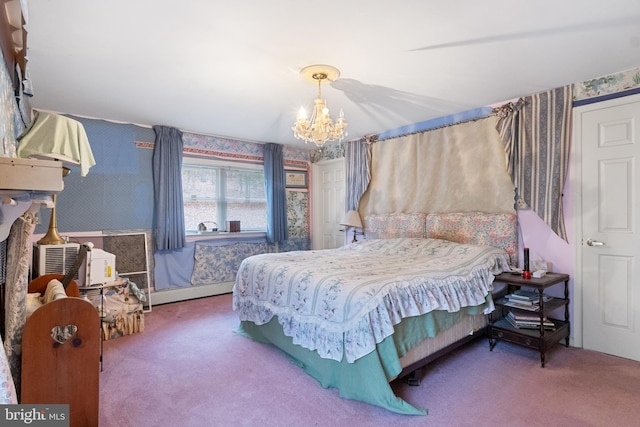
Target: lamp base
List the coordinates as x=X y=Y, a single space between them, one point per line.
x=52 y=237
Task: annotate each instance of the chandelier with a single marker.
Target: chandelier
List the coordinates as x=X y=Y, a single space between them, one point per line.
x=319 y=128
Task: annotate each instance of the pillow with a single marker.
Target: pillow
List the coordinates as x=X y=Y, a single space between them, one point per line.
x=477 y=228
x=389 y=226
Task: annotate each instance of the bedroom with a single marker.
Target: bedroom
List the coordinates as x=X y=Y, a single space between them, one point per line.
x=121 y=174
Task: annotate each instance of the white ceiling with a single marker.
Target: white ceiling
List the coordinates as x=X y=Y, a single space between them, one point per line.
x=231 y=68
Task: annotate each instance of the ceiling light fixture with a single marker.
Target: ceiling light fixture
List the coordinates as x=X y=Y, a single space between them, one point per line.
x=319 y=128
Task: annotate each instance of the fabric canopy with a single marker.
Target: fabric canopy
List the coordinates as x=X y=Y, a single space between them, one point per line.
x=459 y=168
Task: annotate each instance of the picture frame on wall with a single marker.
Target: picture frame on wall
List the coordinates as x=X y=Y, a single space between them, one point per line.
x=295 y=179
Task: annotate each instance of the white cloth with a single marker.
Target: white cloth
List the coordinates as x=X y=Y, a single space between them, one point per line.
x=54 y=136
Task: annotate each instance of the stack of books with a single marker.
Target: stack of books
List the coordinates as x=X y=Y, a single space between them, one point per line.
x=529 y=321
x=524 y=300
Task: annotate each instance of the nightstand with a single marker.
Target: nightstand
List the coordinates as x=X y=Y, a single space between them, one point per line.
x=540 y=332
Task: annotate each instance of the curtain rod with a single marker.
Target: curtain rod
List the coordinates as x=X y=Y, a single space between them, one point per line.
x=442 y=122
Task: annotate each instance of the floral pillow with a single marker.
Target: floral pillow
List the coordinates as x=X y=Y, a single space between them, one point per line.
x=477 y=228
x=390 y=226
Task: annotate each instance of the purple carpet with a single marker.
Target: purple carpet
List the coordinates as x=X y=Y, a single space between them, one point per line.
x=188 y=368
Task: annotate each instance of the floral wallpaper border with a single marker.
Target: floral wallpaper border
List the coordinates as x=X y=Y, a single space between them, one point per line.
x=613 y=83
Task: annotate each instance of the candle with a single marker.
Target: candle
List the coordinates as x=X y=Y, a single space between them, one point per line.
x=526 y=274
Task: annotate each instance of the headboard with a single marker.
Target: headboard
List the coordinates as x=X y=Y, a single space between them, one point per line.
x=478 y=228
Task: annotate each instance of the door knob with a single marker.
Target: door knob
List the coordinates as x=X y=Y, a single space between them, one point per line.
x=591 y=242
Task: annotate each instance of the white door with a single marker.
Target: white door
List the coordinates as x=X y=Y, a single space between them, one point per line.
x=328 y=204
x=609 y=133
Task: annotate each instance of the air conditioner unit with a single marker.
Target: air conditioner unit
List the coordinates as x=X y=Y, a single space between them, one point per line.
x=54 y=258
x=98 y=267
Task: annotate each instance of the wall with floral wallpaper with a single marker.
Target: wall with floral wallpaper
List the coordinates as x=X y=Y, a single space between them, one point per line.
x=330 y=151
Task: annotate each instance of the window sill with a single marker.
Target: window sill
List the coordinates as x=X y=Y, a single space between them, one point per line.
x=215 y=235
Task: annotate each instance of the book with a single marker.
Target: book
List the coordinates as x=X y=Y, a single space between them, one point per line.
x=530 y=295
x=516 y=296
x=526 y=316
x=513 y=304
x=520 y=301
x=533 y=323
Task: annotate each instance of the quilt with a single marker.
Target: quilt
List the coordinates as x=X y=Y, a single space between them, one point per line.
x=341 y=302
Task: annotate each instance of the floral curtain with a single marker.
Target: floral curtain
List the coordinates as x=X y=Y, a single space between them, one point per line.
x=18 y=256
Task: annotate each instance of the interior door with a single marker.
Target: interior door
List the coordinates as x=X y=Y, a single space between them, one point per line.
x=328 y=204
x=610 y=241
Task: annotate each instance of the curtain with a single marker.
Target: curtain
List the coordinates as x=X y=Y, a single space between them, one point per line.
x=18 y=257
x=536 y=133
x=358 y=170
x=167 y=188
x=508 y=128
x=274 y=181
x=459 y=168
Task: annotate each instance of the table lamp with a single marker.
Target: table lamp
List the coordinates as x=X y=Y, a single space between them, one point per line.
x=352 y=219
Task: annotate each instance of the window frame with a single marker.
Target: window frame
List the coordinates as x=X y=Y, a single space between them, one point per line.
x=220 y=165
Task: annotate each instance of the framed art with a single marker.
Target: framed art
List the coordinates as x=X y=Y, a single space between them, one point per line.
x=295 y=179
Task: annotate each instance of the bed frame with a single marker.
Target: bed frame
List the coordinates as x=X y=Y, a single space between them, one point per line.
x=413 y=362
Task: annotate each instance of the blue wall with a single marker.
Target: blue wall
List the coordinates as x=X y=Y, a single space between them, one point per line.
x=117 y=193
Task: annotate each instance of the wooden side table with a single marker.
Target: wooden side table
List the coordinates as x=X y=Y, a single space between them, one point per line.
x=538 y=338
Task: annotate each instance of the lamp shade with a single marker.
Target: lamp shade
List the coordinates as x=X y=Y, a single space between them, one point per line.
x=352 y=219
x=51 y=136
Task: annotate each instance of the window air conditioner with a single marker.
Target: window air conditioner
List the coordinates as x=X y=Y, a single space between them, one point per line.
x=98 y=267
x=55 y=258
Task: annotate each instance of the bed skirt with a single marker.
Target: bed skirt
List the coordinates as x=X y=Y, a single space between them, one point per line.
x=368 y=378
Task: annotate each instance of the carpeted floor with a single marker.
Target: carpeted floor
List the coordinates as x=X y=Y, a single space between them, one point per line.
x=188 y=368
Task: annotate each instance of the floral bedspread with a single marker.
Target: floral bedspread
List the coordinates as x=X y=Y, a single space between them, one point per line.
x=342 y=302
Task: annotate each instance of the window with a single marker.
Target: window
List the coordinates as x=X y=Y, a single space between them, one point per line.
x=216 y=192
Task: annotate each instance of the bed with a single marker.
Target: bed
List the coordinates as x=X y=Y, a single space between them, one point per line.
x=358 y=317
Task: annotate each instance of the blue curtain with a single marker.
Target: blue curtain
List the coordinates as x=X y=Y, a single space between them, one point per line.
x=358 y=171
x=167 y=188
x=274 y=181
